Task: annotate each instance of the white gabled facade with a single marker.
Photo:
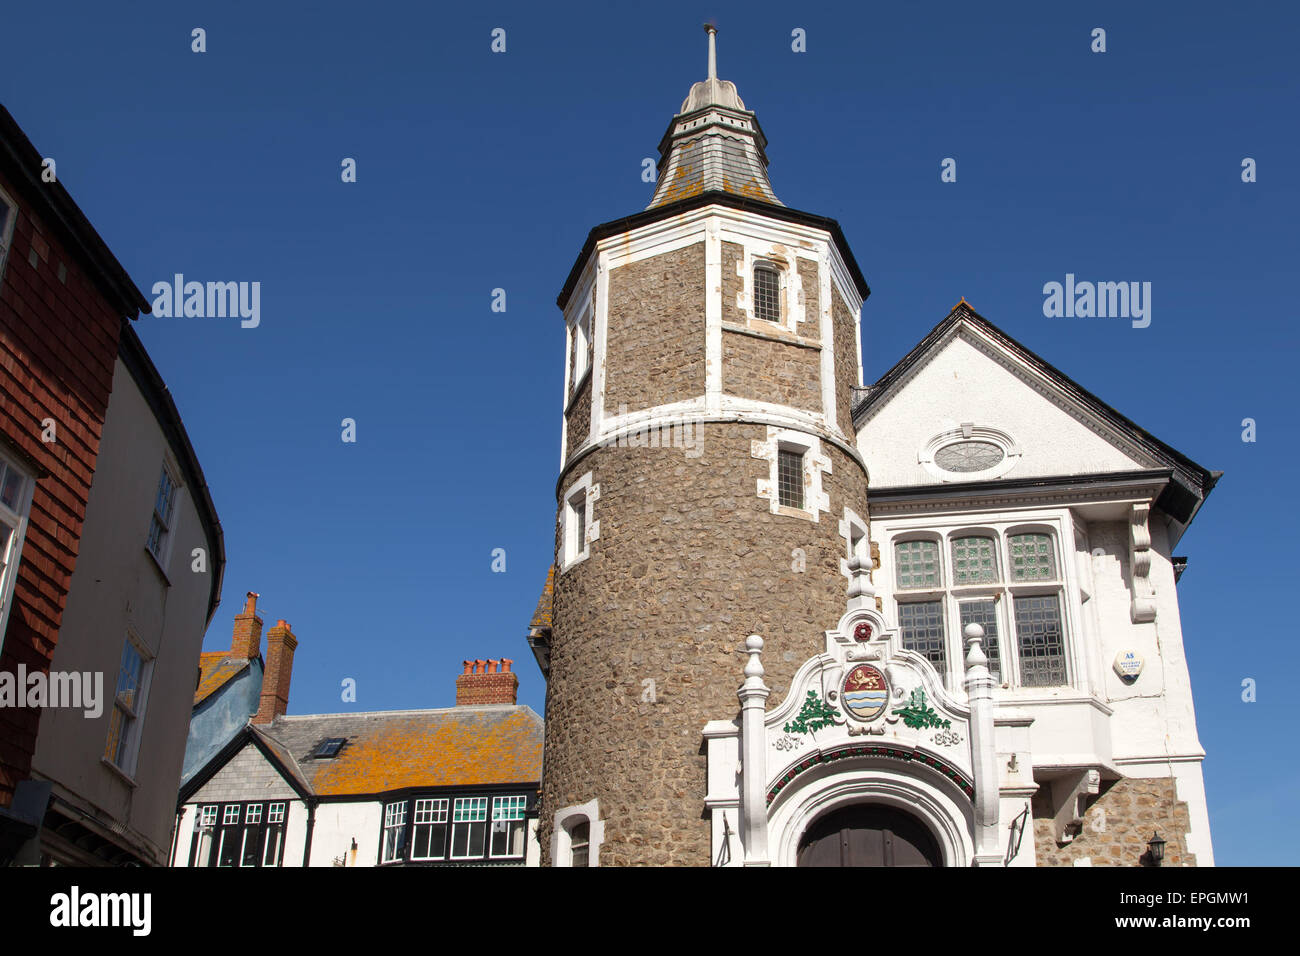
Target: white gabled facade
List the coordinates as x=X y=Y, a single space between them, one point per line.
x=1009 y=505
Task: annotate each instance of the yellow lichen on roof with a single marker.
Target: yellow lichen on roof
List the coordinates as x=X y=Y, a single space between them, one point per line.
x=542 y=616
x=216 y=668
x=473 y=747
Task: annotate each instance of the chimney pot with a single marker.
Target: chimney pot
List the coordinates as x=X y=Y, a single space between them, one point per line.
x=505 y=664
x=491 y=666
x=468 y=666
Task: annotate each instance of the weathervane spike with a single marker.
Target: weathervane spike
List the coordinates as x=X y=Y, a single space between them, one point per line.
x=712 y=31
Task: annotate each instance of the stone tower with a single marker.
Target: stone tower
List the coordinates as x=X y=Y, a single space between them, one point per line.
x=710 y=486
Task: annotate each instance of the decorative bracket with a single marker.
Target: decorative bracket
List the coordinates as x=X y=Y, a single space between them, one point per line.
x=1143 y=607
x=1070 y=796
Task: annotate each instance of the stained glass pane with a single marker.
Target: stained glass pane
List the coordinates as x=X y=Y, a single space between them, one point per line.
x=1041 y=646
x=918 y=564
x=974 y=561
x=921 y=626
x=985 y=614
x=1031 y=558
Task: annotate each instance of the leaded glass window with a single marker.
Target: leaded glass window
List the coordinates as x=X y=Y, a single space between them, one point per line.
x=985 y=614
x=966 y=456
x=974 y=561
x=1031 y=557
x=921 y=626
x=789 y=478
x=767 y=293
x=580 y=844
x=918 y=564
x=1040 y=641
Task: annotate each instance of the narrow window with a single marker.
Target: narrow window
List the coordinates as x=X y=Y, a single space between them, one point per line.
x=508 y=826
x=1040 y=641
x=15 y=499
x=161 y=522
x=273 y=841
x=128 y=708
x=468 y=827
x=229 y=840
x=985 y=614
x=580 y=844
x=250 y=850
x=205 y=823
x=1031 y=557
x=430 y=839
x=767 y=293
x=576 y=527
x=394 y=831
x=921 y=627
x=917 y=564
x=8 y=216
x=789 y=478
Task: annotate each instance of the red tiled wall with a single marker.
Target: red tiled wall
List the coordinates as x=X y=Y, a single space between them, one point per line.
x=58 y=343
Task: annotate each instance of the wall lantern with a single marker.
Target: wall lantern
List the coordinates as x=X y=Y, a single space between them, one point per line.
x=1155 y=850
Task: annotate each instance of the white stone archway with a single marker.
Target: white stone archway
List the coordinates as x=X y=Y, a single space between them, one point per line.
x=936 y=803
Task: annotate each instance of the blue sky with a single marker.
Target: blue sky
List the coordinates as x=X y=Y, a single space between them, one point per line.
x=479 y=171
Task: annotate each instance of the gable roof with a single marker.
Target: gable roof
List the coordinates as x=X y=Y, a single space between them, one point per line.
x=394 y=750
x=1190 y=484
x=216 y=670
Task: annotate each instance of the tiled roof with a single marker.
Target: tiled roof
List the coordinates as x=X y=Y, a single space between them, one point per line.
x=454 y=746
x=216 y=668
x=542 y=616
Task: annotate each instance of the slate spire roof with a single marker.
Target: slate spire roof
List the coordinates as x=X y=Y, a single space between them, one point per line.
x=713 y=144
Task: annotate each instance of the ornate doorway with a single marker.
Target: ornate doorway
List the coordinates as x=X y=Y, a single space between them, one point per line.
x=868 y=834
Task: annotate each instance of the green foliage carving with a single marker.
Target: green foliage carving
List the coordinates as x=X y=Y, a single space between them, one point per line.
x=814 y=715
x=917 y=714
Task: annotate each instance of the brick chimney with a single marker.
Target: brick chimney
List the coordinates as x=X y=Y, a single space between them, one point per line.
x=247 y=638
x=483 y=683
x=280 y=644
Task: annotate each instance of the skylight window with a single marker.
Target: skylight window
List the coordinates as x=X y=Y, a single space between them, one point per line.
x=329 y=747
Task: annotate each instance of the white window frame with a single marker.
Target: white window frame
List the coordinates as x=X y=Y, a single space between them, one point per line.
x=472 y=805
x=568 y=817
x=439 y=812
x=580 y=348
x=168 y=521
x=394 y=820
x=583 y=494
x=1003 y=592
x=7 y=232
x=15 y=519
x=130 y=753
x=512 y=803
x=777 y=269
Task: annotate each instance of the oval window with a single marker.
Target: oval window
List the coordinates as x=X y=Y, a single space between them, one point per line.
x=964 y=456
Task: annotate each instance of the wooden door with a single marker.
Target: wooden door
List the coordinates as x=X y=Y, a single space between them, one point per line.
x=868 y=834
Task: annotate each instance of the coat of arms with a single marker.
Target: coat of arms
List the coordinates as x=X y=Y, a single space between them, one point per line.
x=866 y=692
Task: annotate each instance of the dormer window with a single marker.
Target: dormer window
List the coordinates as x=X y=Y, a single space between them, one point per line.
x=767 y=292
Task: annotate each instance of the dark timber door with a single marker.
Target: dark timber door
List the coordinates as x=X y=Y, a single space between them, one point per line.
x=868 y=834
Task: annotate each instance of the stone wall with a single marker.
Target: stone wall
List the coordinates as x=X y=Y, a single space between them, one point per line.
x=771 y=371
x=655 y=341
x=688 y=563
x=1117 y=825
x=846 y=362
x=733 y=283
x=811 y=326
x=578 y=418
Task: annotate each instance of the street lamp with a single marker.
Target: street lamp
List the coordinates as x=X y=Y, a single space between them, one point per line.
x=1155 y=850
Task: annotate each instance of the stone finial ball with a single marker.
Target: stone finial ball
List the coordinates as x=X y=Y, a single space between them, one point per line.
x=753 y=643
x=973 y=632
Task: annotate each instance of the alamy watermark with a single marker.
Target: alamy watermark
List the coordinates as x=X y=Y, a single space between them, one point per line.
x=1102 y=300
x=56 y=689
x=669 y=432
x=211 y=300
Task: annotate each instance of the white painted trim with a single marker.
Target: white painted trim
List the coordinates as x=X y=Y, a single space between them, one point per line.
x=1011 y=453
x=848 y=523
x=573 y=552
x=17 y=520
x=565 y=817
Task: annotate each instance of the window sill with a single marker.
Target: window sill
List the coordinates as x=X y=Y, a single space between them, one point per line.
x=795 y=513
x=122 y=774
x=158 y=567
x=772 y=332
